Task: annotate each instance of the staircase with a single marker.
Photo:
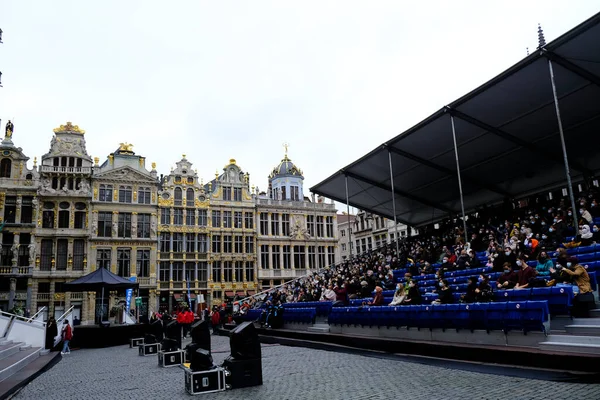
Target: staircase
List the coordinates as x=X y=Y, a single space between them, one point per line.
x=582 y=335
x=15 y=356
x=320 y=326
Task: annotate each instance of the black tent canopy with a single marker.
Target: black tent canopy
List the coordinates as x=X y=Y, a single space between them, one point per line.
x=507 y=140
x=99 y=280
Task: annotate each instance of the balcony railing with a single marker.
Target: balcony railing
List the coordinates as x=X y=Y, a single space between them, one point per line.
x=299 y=204
x=146 y=281
x=68 y=170
x=43 y=296
x=15 y=270
x=77 y=296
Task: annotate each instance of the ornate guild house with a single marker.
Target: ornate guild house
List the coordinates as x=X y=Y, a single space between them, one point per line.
x=182 y=240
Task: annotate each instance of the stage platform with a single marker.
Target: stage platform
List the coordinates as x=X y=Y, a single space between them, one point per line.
x=95 y=336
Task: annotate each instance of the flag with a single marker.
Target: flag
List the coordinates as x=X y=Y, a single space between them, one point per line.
x=128 y=294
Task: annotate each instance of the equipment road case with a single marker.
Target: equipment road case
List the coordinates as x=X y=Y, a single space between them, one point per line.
x=209 y=381
x=135 y=342
x=171 y=358
x=149 y=349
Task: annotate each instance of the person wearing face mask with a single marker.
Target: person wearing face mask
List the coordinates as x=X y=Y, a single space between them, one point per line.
x=595 y=234
x=586 y=217
x=470 y=294
x=543 y=266
x=413 y=297
x=594 y=209
x=445 y=293
x=586 y=235
x=378 y=299
x=508 y=256
x=483 y=293
x=508 y=279
x=525 y=274
x=399 y=295
x=584 y=300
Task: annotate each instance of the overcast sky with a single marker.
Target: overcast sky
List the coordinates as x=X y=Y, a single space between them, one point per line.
x=221 y=80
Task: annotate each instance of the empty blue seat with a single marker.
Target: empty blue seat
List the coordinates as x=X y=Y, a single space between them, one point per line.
x=513 y=315
x=585 y=249
x=583 y=258
x=520 y=295
x=495 y=316
x=593 y=282
x=478 y=315
x=535 y=316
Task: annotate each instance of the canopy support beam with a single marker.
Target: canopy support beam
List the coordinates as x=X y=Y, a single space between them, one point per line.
x=507 y=136
x=574 y=68
x=462 y=201
x=564 y=147
x=447 y=171
x=396 y=239
x=400 y=192
x=349 y=223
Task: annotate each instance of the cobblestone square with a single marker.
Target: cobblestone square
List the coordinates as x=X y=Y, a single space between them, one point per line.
x=288 y=373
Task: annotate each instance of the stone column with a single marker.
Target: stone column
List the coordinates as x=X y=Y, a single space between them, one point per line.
x=28 y=302
x=51 y=301
x=292 y=256
x=69 y=255
x=134 y=217
x=269 y=231
x=18 y=208
x=325 y=252
x=280 y=256
x=270 y=263
x=15 y=250
x=32 y=290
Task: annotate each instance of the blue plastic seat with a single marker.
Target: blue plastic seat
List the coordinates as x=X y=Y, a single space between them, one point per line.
x=513 y=316
x=560 y=300
x=535 y=315
x=583 y=258
x=495 y=316
x=520 y=295
x=478 y=315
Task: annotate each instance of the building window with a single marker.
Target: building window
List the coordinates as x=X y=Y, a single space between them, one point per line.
x=285 y=224
x=123 y=262
x=321 y=250
x=143 y=226
x=369 y=243
x=329 y=226
x=143 y=263
x=284 y=193
x=216 y=219
x=164 y=271
x=249 y=245
x=10 y=209
x=312 y=261
x=249 y=271
x=295 y=195
x=62 y=251
x=202 y=218
x=264 y=224
x=226 y=219
x=165 y=242
x=125 y=194
x=105 y=193
x=275 y=258
x=178 y=216
x=78 y=254
x=46 y=254
x=264 y=256
x=237 y=219
x=228 y=271
x=190 y=273
x=178 y=271
x=239 y=244
x=287 y=257
x=299 y=257
x=190 y=243
x=202 y=243
x=177 y=242
x=178 y=194
x=310 y=225
x=248 y=220
x=5 y=168
x=189 y=197
x=105 y=224
x=165 y=216
x=237 y=194
x=48 y=215
x=26 y=210
x=80 y=216
x=63 y=218
x=319 y=226
x=124 y=225
x=343 y=246
x=216 y=243
x=103 y=258
x=144 y=195
x=330 y=256
x=202 y=271
x=275 y=224
x=190 y=180
x=227 y=244
x=216 y=271
x=227 y=193
x=23 y=253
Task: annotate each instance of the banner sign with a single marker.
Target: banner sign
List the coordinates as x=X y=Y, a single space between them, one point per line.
x=128 y=294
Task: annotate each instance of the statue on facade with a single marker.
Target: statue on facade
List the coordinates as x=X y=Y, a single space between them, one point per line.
x=153 y=228
x=9 y=129
x=47 y=185
x=84 y=187
x=31 y=253
x=115 y=229
x=15 y=250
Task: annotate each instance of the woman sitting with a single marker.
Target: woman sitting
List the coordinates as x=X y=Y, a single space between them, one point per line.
x=445 y=294
x=483 y=293
x=470 y=295
x=399 y=296
x=378 y=299
x=413 y=297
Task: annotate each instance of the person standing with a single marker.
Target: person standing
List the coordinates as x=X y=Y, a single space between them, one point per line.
x=51 y=333
x=67 y=335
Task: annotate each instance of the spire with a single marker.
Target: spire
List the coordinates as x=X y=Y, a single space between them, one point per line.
x=541 y=39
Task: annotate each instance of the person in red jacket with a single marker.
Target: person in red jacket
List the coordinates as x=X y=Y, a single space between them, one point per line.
x=67 y=335
x=215 y=319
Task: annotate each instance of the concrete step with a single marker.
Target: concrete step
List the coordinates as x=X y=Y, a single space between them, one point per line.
x=15 y=362
x=9 y=349
x=4 y=341
x=573 y=339
x=595 y=313
x=571 y=347
x=590 y=330
x=319 y=328
x=586 y=321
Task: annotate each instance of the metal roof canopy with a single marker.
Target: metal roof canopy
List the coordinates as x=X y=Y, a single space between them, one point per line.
x=507 y=139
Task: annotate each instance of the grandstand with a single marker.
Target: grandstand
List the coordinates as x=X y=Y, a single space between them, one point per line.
x=468 y=161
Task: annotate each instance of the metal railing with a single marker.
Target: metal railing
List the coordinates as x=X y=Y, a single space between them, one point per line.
x=21 y=318
x=34 y=316
x=70 y=170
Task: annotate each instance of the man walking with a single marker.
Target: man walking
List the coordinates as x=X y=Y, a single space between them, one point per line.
x=67 y=335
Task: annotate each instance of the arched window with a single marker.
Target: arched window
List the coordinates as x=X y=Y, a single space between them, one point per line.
x=178 y=196
x=5 y=168
x=189 y=197
x=144 y=194
x=106 y=193
x=125 y=194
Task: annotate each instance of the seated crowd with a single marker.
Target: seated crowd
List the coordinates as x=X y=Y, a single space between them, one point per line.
x=506 y=241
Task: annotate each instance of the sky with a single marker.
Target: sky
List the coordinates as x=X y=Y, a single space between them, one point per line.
x=237 y=79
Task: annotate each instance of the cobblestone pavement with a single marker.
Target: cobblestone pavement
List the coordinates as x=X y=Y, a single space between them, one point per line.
x=288 y=373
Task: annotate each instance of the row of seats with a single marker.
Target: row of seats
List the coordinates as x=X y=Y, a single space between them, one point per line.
x=301 y=315
x=525 y=316
x=323 y=308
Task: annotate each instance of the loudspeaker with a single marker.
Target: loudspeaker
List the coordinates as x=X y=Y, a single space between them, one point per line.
x=173 y=332
x=157 y=330
x=201 y=335
x=244 y=342
x=149 y=339
x=243 y=373
x=169 y=345
x=201 y=360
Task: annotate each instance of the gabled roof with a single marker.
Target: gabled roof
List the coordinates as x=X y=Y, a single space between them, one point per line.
x=507 y=139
